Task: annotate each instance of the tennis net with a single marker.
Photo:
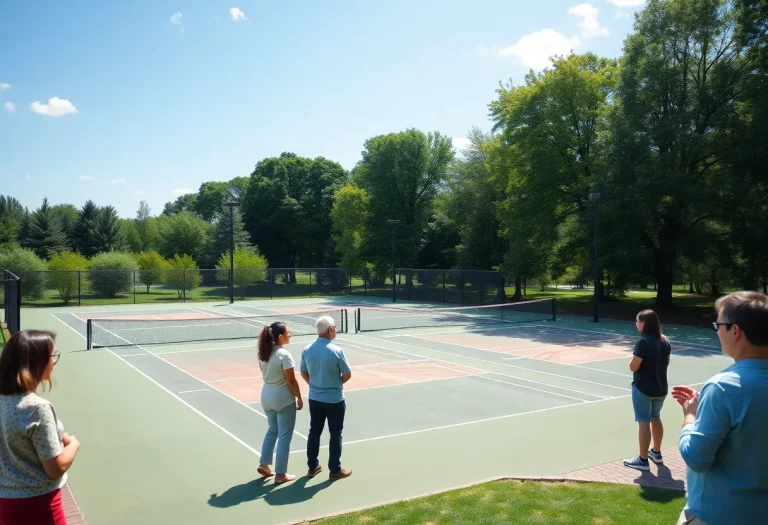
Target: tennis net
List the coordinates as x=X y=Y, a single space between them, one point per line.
x=373 y=319
x=126 y=331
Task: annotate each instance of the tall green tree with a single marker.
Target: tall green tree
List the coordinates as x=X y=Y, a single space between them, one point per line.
x=350 y=220
x=210 y=199
x=45 y=236
x=676 y=99
x=146 y=225
x=184 y=234
x=401 y=172
x=221 y=237
x=11 y=217
x=82 y=238
x=67 y=215
x=108 y=234
x=186 y=202
x=130 y=235
x=287 y=208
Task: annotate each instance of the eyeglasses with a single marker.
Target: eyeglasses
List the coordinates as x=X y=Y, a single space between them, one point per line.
x=55 y=357
x=716 y=326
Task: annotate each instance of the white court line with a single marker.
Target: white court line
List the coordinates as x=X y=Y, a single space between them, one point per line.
x=193 y=409
x=196 y=390
x=205 y=350
x=233 y=379
x=463 y=330
x=532 y=388
x=474 y=422
x=514 y=358
x=484 y=371
x=498 y=363
x=601 y=370
x=201 y=381
x=386 y=363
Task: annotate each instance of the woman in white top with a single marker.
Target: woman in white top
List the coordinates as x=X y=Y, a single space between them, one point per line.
x=280 y=399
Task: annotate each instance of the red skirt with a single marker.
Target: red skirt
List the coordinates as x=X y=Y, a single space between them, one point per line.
x=39 y=510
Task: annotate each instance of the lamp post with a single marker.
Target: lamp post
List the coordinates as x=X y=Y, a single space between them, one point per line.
x=231 y=205
x=597 y=197
x=393 y=223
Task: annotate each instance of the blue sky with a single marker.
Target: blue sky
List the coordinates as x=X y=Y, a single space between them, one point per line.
x=123 y=101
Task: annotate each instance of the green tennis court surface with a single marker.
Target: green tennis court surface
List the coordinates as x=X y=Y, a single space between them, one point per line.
x=171 y=432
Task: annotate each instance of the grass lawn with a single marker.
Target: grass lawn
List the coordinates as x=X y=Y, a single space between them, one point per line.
x=537 y=502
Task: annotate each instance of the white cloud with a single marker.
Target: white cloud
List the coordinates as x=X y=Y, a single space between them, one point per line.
x=620 y=15
x=182 y=191
x=590 y=26
x=461 y=143
x=10 y=106
x=118 y=181
x=237 y=14
x=627 y=3
x=4 y=86
x=138 y=192
x=27 y=176
x=176 y=18
x=86 y=178
x=56 y=107
x=533 y=50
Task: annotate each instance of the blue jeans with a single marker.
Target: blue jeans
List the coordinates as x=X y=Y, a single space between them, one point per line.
x=647 y=409
x=281 y=425
x=318 y=413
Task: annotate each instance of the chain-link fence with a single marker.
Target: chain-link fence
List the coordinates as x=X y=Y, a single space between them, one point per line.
x=99 y=287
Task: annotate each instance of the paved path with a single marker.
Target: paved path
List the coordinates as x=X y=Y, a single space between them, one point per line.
x=71 y=510
x=670 y=475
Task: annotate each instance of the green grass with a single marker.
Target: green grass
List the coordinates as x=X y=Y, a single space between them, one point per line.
x=529 y=502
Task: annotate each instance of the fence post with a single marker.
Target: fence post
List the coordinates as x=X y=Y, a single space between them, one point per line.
x=461 y=277
x=271 y=283
x=79 y=288
x=134 y=287
x=310 y=283
x=443 y=285
x=184 y=285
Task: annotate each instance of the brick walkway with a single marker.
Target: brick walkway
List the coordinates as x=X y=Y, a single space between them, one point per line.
x=71 y=510
x=670 y=475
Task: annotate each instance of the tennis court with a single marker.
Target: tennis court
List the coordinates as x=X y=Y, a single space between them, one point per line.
x=439 y=397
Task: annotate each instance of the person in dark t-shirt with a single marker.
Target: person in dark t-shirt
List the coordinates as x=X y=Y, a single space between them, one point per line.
x=649 y=364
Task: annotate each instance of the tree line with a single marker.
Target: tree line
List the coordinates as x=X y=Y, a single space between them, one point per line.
x=673 y=135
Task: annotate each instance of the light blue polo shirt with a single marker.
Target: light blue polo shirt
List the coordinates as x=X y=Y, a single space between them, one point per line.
x=325 y=363
x=726 y=448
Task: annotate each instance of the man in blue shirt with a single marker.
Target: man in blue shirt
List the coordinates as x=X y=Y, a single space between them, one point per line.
x=724 y=441
x=325 y=369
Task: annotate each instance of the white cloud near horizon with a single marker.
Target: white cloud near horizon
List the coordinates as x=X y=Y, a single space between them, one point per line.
x=4 y=86
x=535 y=49
x=589 y=25
x=56 y=107
x=10 y=106
x=86 y=178
x=237 y=14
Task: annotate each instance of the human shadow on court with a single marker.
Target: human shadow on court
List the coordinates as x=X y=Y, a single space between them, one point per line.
x=286 y=494
x=661 y=488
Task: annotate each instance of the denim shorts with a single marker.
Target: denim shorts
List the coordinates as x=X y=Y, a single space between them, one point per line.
x=646 y=408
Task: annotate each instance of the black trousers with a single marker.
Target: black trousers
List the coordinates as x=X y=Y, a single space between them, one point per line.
x=318 y=413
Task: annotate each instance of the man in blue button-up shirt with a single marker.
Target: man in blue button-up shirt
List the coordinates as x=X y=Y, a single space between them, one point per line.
x=724 y=440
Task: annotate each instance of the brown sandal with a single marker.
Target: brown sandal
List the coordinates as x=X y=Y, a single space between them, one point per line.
x=264 y=472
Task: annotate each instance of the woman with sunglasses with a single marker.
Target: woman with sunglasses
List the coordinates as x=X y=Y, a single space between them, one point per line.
x=35 y=452
x=280 y=399
x=649 y=364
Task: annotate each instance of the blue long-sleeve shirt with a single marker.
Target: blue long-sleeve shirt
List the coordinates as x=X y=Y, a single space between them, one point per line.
x=726 y=448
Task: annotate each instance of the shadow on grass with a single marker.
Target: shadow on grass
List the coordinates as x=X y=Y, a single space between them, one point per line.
x=286 y=494
x=661 y=488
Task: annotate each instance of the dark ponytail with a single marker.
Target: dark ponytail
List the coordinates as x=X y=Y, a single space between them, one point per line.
x=651 y=323
x=268 y=337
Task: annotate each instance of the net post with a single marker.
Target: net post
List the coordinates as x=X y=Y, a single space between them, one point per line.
x=134 y=287
x=184 y=285
x=79 y=288
x=357 y=321
x=554 y=309
x=310 y=285
x=89 y=333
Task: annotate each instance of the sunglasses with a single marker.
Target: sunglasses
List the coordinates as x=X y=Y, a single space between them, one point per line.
x=716 y=326
x=55 y=357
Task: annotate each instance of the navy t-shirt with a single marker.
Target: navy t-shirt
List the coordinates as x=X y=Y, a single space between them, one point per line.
x=651 y=378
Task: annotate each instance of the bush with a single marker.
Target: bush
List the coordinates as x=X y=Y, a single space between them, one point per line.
x=112 y=273
x=152 y=268
x=65 y=274
x=184 y=275
x=28 y=267
x=250 y=268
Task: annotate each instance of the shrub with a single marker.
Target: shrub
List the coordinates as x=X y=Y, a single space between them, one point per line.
x=65 y=274
x=152 y=268
x=183 y=275
x=28 y=267
x=112 y=273
x=250 y=268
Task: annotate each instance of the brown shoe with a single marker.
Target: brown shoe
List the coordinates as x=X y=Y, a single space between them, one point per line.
x=343 y=473
x=311 y=473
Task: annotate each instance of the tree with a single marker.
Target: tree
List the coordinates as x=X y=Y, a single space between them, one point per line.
x=210 y=199
x=183 y=203
x=183 y=234
x=30 y=268
x=67 y=215
x=401 y=172
x=183 y=274
x=287 y=207
x=82 y=238
x=250 y=268
x=65 y=274
x=221 y=237
x=152 y=268
x=670 y=132
x=112 y=273
x=349 y=216
x=108 y=232
x=45 y=237
x=11 y=217
x=130 y=234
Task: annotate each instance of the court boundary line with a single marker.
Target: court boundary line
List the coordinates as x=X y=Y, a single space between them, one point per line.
x=175 y=396
x=199 y=380
x=485 y=371
x=498 y=363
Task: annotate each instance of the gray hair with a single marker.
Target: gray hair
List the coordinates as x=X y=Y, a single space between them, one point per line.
x=323 y=323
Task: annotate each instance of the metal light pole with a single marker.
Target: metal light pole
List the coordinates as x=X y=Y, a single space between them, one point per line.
x=596 y=197
x=231 y=205
x=393 y=223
